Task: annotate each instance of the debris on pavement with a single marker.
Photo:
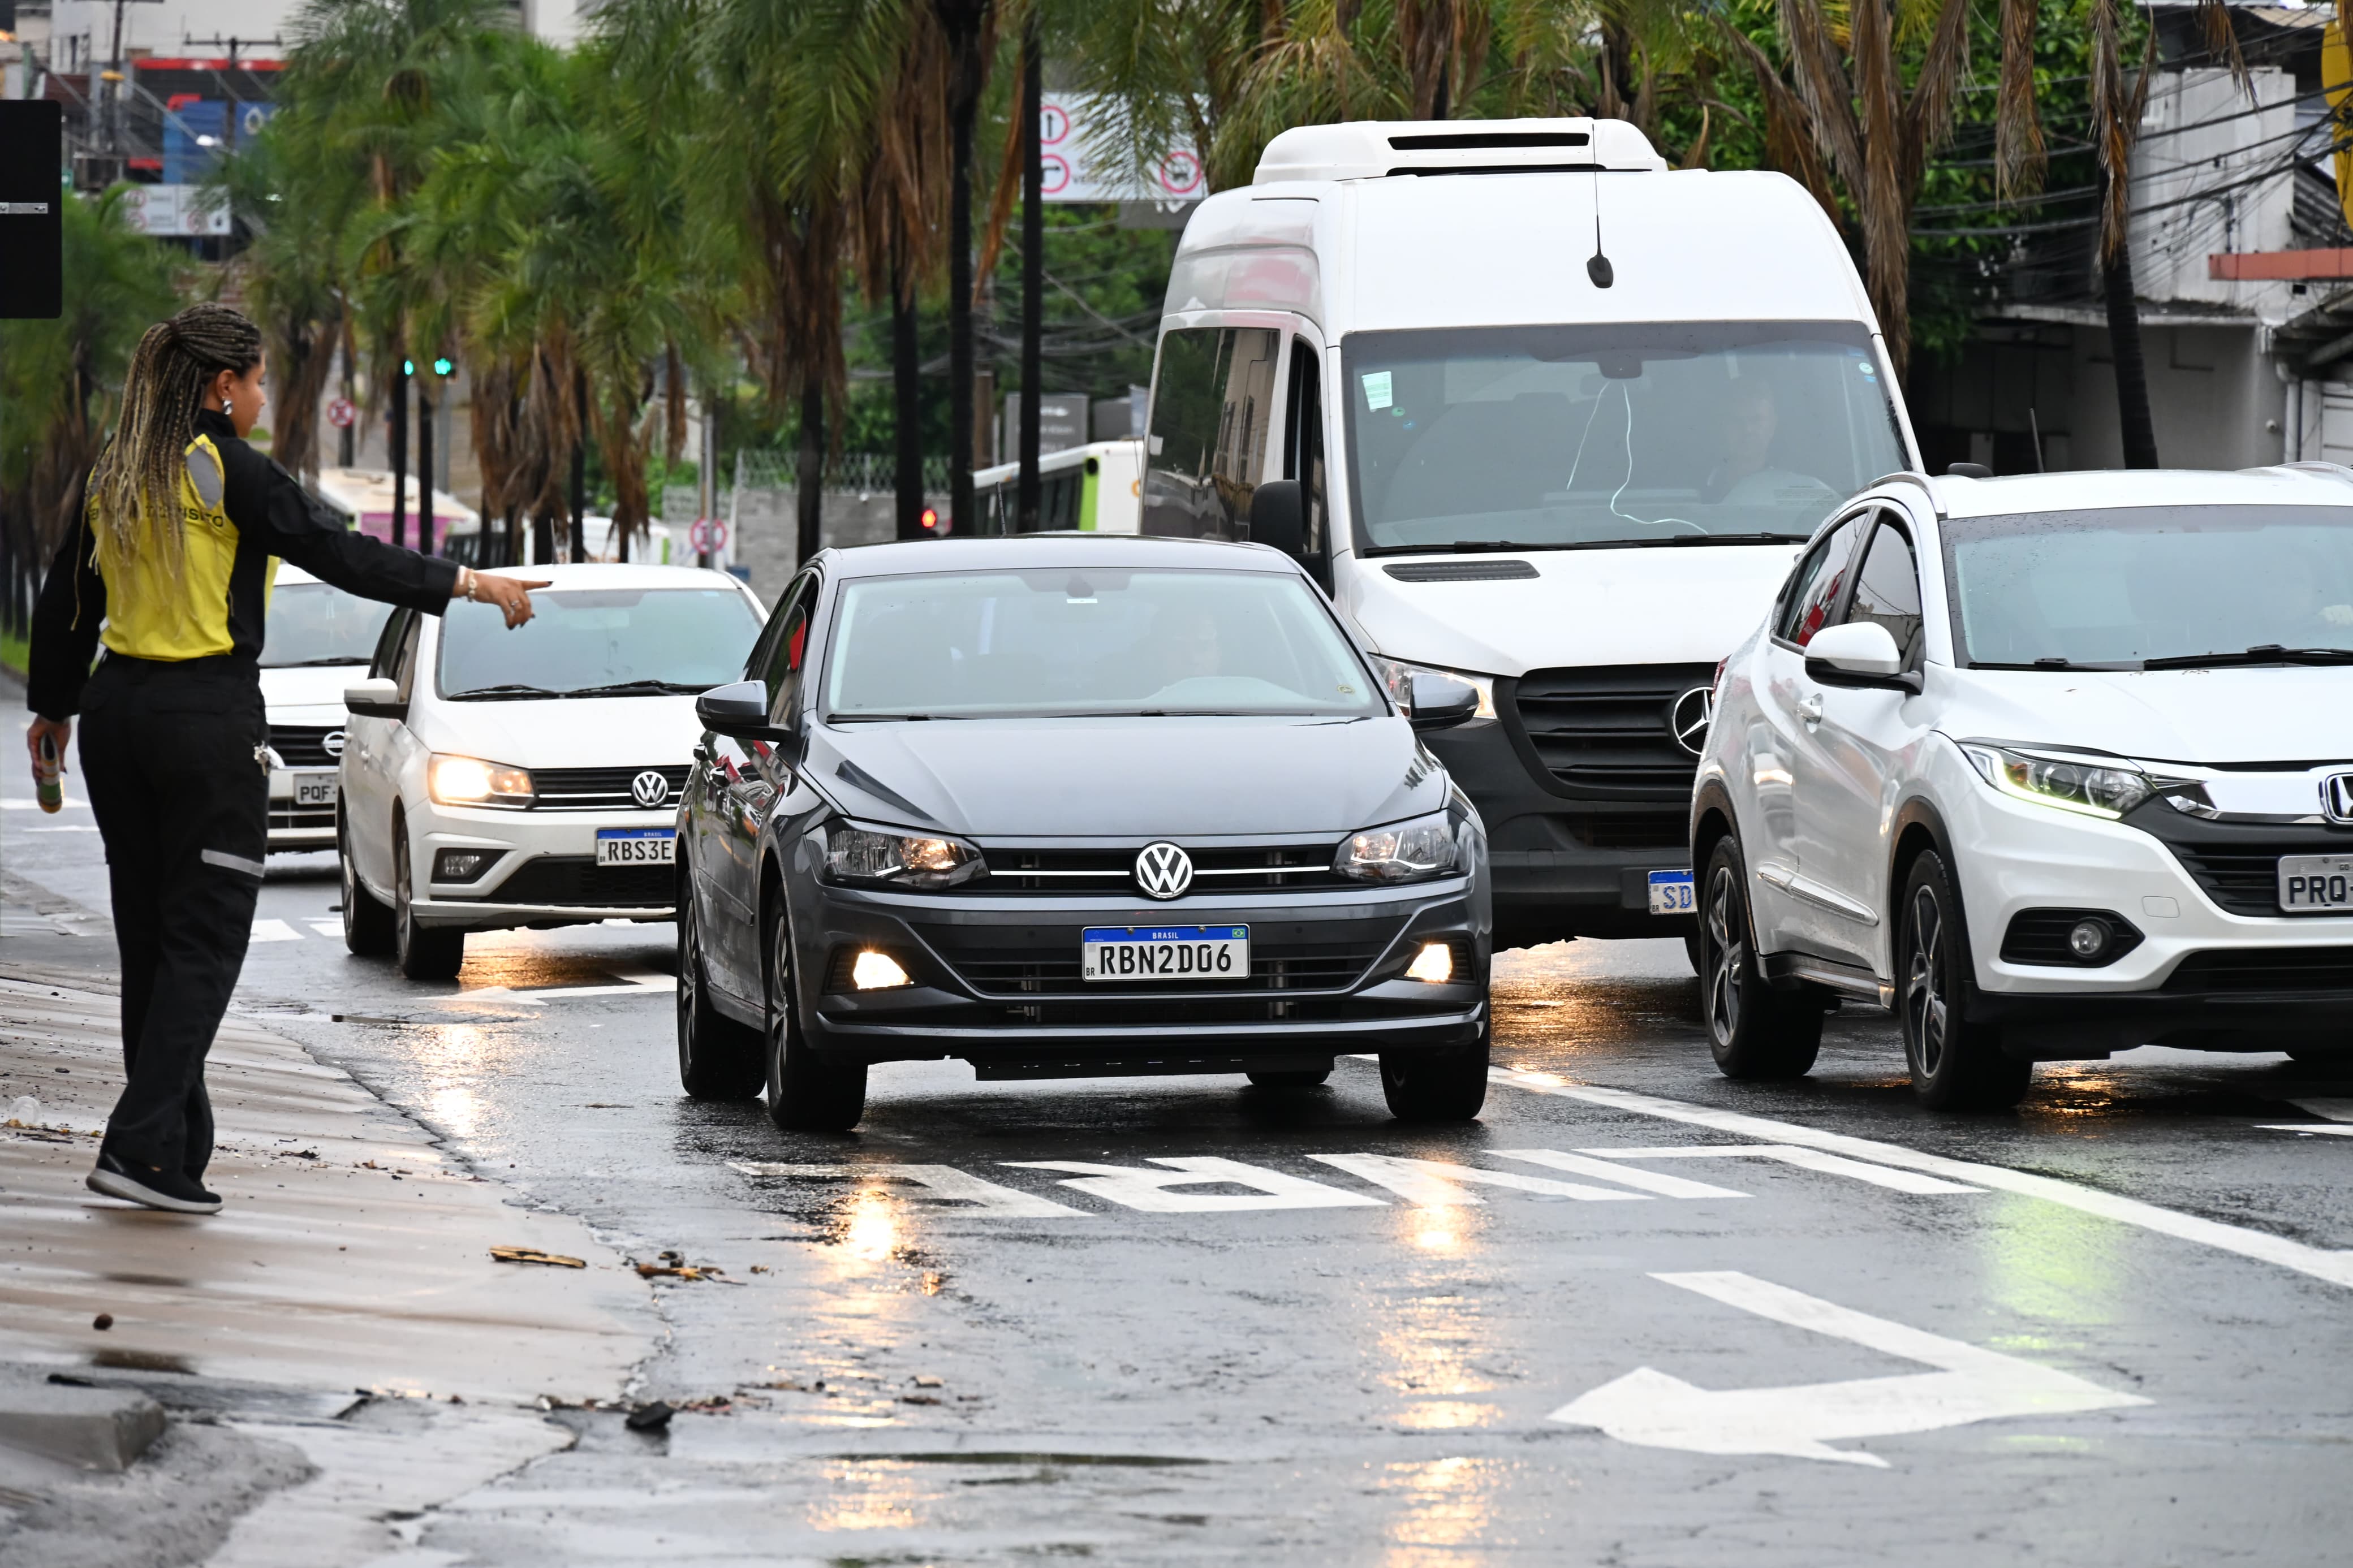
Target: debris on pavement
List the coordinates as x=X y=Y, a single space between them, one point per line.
x=104 y=1320
x=534 y=1255
x=648 y=1417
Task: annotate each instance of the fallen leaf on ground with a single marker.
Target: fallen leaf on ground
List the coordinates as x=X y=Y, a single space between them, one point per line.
x=534 y=1255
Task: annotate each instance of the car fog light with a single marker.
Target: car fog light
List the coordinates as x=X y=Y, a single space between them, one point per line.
x=2088 y=939
x=1433 y=965
x=462 y=865
x=877 y=971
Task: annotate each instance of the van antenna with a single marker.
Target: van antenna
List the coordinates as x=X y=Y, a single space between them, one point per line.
x=1597 y=266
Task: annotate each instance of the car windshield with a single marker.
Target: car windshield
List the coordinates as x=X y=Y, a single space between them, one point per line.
x=1534 y=438
x=2118 y=586
x=591 y=641
x=1093 y=641
x=315 y=623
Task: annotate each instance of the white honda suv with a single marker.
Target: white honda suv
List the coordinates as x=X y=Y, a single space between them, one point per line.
x=2054 y=767
x=529 y=777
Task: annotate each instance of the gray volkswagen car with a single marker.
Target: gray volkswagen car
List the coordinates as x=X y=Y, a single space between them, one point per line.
x=1075 y=805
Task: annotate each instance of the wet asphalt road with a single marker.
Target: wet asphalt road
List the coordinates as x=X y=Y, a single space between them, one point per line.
x=1353 y=1360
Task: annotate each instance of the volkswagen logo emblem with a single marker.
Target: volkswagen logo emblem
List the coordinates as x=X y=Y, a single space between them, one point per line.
x=1162 y=871
x=2337 y=797
x=331 y=743
x=650 y=789
x=1688 y=717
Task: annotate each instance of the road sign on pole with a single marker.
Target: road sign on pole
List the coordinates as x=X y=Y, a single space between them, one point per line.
x=340 y=413
x=709 y=535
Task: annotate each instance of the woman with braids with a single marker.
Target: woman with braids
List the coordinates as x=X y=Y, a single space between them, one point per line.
x=178 y=534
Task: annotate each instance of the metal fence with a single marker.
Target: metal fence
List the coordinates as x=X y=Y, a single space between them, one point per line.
x=864 y=473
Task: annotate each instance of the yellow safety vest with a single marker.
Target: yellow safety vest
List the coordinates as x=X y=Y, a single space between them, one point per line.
x=152 y=612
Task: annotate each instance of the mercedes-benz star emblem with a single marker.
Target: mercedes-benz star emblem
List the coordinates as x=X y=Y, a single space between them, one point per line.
x=1162 y=871
x=1689 y=716
x=331 y=743
x=2337 y=797
x=650 y=789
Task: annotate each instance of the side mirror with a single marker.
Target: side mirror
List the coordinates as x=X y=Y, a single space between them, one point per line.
x=375 y=699
x=1278 y=516
x=1441 y=702
x=740 y=710
x=1859 y=654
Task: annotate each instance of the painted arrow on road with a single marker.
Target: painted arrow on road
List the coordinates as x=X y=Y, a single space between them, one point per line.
x=1649 y=1407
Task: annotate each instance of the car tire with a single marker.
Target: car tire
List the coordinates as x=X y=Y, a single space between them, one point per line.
x=1303 y=1077
x=1956 y=1064
x=1754 y=1031
x=367 y=924
x=718 y=1058
x=1447 y=1085
x=807 y=1092
x=421 y=952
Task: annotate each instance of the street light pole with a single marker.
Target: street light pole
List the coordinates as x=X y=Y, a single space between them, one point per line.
x=1034 y=267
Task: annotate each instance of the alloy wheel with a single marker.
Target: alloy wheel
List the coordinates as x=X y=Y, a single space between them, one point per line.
x=1726 y=945
x=1926 y=1009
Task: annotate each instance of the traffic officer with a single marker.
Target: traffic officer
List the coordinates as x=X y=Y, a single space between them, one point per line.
x=177 y=536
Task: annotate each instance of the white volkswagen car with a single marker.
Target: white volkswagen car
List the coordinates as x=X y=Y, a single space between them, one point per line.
x=317 y=637
x=529 y=777
x=2054 y=766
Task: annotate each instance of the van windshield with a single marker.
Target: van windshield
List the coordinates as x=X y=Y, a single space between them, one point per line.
x=1561 y=436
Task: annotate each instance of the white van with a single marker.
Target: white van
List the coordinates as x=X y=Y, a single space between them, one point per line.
x=1576 y=484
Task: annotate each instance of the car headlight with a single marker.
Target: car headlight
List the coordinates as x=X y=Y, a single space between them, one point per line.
x=2107 y=788
x=901 y=860
x=1404 y=853
x=464 y=781
x=1396 y=675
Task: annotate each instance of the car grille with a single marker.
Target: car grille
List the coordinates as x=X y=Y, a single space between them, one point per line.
x=1043 y=960
x=1602 y=731
x=599 y=789
x=578 y=881
x=1254 y=869
x=315 y=819
x=305 y=745
x=2270 y=969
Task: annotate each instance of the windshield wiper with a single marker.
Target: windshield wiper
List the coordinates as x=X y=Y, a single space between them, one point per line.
x=1759 y=538
x=507 y=693
x=313 y=663
x=887 y=718
x=2047 y=662
x=634 y=688
x=2262 y=653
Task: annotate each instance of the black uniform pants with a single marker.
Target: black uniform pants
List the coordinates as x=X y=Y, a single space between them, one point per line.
x=168 y=755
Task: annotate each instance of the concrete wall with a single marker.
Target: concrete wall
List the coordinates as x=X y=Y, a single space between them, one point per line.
x=766 y=525
x=2213 y=396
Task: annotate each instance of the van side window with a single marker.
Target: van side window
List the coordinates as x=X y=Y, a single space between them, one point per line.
x=1814 y=587
x=1303 y=440
x=788 y=654
x=1211 y=400
x=1887 y=590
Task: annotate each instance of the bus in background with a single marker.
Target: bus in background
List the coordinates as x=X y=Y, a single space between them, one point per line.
x=362 y=497
x=1094 y=488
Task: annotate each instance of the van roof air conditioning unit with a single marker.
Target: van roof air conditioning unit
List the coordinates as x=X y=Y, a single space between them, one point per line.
x=1375 y=149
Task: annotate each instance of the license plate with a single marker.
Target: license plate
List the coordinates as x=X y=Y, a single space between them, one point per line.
x=1164 y=952
x=1671 y=893
x=2316 y=883
x=314 y=789
x=636 y=846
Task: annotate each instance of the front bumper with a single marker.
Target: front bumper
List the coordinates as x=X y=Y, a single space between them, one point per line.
x=1563 y=866
x=995 y=980
x=544 y=873
x=2200 y=976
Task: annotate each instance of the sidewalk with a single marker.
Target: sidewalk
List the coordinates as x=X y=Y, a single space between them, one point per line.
x=352 y=1258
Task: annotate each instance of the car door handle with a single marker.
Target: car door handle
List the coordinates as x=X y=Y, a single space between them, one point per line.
x=1809 y=707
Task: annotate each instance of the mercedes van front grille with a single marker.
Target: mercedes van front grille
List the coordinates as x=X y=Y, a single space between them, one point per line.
x=1604 y=732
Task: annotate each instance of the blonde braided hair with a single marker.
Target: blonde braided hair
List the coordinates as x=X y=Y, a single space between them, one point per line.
x=134 y=486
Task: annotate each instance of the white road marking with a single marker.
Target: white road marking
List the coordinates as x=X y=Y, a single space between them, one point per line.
x=651 y=985
x=274 y=930
x=2328 y=1128
x=2328 y=1109
x=1648 y=1180
x=942 y=1182
x=1152 y=1191
x=2320 y=1263
x=1791 y=1155
x=1657 y=1411
x=82 y=828
x=328 y=928
x=35 y=805
x=1433 y=1184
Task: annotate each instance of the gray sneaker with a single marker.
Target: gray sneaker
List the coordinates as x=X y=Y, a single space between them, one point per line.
x=171 y=1190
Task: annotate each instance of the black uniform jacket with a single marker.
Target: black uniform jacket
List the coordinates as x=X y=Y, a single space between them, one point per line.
x=274 y=516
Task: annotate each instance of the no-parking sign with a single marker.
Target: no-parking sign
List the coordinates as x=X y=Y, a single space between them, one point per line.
x=1072 y=129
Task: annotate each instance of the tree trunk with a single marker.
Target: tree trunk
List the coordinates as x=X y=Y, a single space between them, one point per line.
x=423 y=470
x=2138 y=429
x=398 y=440
x=810 y=460
x=580 y=466
x=1033 y=273
x=907 y=394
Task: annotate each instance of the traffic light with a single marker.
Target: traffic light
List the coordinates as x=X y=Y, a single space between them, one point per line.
x=409 y=367
x=930 y=520
x=443 y=367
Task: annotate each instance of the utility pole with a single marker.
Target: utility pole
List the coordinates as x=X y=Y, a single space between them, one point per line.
x=580 y=465
x=398 y=455
x=424 y=467
x=114 y=89
x=1033 y=268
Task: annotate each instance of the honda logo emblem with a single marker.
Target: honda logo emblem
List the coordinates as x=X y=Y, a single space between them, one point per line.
x=2337 y=797
x=650 y=789
x=1688 y=717
x=1164 y=871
